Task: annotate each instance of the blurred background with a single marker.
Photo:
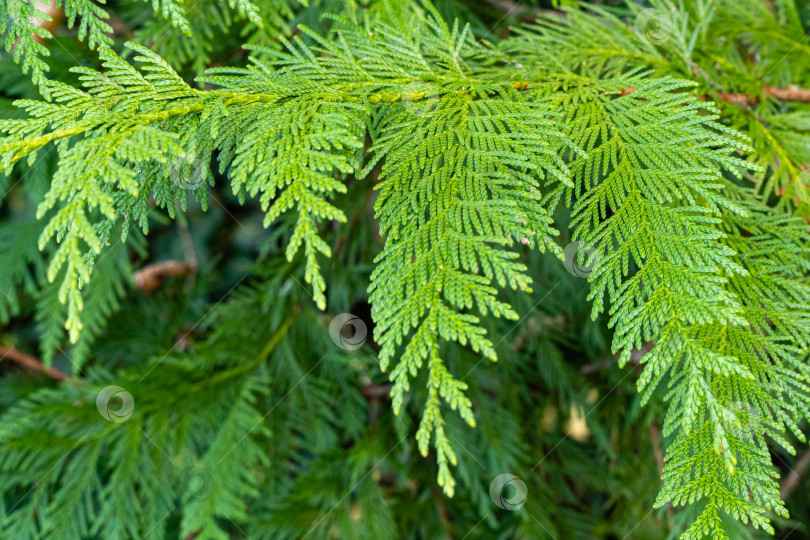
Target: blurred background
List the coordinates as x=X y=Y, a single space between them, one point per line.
x=555 y=412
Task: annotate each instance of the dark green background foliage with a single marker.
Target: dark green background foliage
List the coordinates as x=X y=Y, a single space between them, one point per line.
x=608 y=198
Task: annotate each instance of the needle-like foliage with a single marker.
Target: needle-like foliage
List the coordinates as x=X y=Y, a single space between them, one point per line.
x=474 y=150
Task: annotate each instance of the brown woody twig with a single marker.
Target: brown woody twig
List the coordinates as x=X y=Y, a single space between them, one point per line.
x=149 y=278
x=31 y=363
x=793 y=477
x=605 y=364
x=56 y=16
x=788 y=93
x=655 y=435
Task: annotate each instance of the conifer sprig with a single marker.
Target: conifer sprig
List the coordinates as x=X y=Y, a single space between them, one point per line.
x=476 y=145
x=724 y=46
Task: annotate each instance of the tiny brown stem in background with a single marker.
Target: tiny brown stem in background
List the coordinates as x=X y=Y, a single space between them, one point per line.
x=31 y=363
x=655 y=435
x=601 y=365
x=375 y=394
x=149 y=278
x=377 y=391
x=55 y=13
x=788 y=93
x=444 y=517
x=794 y=476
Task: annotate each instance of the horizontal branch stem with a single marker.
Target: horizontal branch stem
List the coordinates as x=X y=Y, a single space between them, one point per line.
x=789 y=93
x=31 y=363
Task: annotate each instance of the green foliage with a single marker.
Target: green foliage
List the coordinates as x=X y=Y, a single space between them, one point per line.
x=688 y=202
x=25 y=266
x=18 y=24
x=196 y=22
x=189 y=33
x=721 y=45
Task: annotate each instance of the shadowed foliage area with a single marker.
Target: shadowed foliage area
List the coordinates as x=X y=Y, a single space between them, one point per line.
x=279 y=269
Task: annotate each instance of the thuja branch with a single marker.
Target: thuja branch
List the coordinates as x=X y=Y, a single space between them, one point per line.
x=15 y=150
